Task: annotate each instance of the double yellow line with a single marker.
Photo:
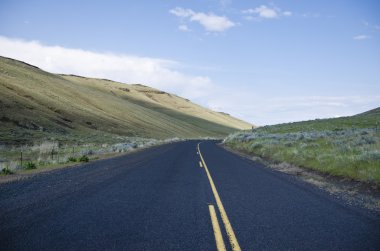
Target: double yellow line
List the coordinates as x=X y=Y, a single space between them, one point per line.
x=227 y=225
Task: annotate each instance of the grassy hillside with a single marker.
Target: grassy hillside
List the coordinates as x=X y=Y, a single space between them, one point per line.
x=36 y=105
x=344 y=147
x=364 y=120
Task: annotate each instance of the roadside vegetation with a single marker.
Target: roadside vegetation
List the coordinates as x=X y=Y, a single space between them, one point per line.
x=48 y=154
x=344 y=147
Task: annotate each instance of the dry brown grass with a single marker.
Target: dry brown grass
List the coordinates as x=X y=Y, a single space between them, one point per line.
x=37 y=105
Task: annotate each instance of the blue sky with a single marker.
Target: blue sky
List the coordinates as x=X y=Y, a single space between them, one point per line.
x=263 y=61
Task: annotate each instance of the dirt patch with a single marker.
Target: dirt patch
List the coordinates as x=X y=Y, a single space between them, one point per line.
x=353 y=192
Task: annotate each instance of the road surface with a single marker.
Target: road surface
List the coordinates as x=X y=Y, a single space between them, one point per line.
x=178 y=197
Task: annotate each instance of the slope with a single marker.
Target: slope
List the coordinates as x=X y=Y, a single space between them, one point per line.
x=37 y=105
x=347 y=147
x=367 y=119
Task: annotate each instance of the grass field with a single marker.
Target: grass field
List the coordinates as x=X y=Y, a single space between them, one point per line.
x=344 y=147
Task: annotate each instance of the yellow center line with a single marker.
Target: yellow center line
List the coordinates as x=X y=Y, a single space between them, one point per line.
x=215 y=226
x=230 y=232
x=200 y=164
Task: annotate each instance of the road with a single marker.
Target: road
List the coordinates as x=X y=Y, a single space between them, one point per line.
x=176 y=197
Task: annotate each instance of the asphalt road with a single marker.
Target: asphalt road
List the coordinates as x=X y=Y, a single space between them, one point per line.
x=173 y=198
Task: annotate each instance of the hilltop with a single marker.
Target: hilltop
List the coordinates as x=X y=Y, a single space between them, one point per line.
x=36 y=105
x=368 y=119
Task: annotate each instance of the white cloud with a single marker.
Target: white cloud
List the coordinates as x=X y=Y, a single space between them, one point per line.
x=210 y=21
x=262 y=110
x=183 y=27
x=181 y=12
x=361 y=37
x=155 y=72
x=163 y=74
x=265 y=12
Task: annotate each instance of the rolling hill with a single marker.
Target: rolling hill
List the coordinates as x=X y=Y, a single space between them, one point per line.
x=347 y=147
x=368 y=119
x=36 y=105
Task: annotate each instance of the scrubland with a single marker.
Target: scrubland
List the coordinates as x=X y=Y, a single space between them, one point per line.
x=53 y=153
x=343 y=147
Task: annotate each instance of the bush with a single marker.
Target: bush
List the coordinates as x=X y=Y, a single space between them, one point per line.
x=257 y=145
x=30 y=165
x=289 y=144
x=6 y=171
x=84 y=158
x=370 y=156
x=72 y=159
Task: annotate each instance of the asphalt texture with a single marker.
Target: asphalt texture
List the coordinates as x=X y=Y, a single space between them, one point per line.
x=158 y=199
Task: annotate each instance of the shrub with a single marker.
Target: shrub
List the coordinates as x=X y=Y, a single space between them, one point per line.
x=288 y=144
x=256 y=145
x=370 y=156
x=45 y=147
x=30 y=165
x=84 y=158
x=72 y=159
x=6 y=171
x=300 y=137
x=87 y=152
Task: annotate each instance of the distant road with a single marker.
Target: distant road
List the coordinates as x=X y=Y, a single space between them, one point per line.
x=174 y=197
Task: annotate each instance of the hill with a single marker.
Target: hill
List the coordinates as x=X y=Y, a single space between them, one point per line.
x=363 y=120
x=347 y=147
x=36 y=105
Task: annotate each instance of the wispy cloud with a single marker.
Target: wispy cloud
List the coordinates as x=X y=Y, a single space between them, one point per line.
x=272 y=110
x=165 y=75
x=262 y=11
x=265 y=12
x=184 y=27
x=209 y=21
x=370 y=26
x=361 y=37
x=224 y=3
x=155 y=72
x=310 y=15
x=365 y=23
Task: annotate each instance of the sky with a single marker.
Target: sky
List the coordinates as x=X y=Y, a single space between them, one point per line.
x=265 y=62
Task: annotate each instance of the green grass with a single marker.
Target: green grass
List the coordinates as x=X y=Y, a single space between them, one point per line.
x=344 y=147
x=30 y=165
x=6 y=171
x=84 y=158
x=370 y=119
x=72 y=159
